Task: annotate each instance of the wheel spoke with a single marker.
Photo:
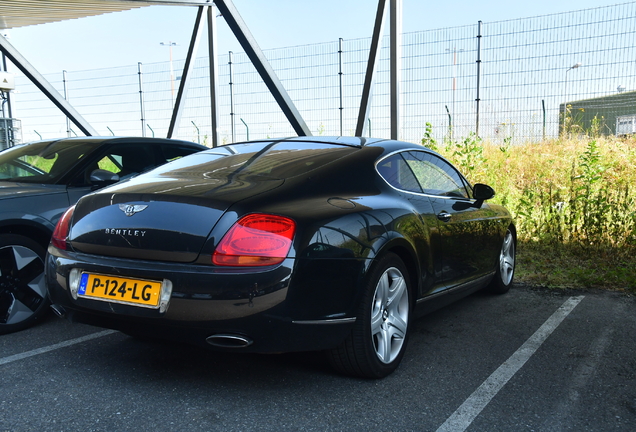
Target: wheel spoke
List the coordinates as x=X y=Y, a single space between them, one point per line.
x=18 y=312
x=507 y=264
x=382 y=291
x=397 y=291
x=398 y=326
x=383 y=348
x=376 y=323
x=507 y=244
x=29 y=269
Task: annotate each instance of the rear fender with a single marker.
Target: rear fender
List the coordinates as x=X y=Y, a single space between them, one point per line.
x=31 y=226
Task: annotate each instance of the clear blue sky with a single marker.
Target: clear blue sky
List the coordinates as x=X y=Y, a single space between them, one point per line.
x=125 y=38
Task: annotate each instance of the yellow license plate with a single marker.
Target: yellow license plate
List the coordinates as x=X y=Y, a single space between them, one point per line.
x=137 y=292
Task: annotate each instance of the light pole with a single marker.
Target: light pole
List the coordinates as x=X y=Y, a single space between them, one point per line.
x=565 y=92
x=170 y=44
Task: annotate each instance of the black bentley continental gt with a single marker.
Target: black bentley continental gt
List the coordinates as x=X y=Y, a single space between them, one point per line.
x=297 y=244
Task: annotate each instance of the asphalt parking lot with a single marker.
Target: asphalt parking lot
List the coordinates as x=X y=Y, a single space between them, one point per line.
x=530 y=360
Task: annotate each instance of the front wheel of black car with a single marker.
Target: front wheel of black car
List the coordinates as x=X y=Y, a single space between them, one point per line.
x=23 y=298
x=502 y=281
x=375 y=347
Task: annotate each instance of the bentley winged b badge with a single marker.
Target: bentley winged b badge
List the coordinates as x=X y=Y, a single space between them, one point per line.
x=130 y=209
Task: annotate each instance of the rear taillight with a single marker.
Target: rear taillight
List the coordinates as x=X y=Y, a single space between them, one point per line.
x=256 y=240
x=61 y=230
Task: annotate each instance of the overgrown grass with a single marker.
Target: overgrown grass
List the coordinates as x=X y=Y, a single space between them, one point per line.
x=573 y=201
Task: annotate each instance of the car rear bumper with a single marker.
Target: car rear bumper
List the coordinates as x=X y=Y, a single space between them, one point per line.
x=254 y=311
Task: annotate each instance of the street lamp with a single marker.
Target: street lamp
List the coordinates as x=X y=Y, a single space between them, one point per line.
x=170 y=44
x=565 y=92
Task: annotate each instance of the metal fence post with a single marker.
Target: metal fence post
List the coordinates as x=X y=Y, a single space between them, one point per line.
x=395 y=68
x=247 y=130
x=213 y=62
x=543 y=106
x=340 y=79
x=478 y=77
x=68 y=122
x=233 y=127
x=141 y=101
x=198 y=132
x=8 y=94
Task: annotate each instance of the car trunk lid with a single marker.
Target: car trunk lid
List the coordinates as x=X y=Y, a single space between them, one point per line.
x=158 y=220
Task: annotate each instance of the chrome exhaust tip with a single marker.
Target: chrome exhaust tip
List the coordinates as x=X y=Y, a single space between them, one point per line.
x=229 y=341
x=58 y=310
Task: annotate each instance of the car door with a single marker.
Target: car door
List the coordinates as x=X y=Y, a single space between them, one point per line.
x=467 y=232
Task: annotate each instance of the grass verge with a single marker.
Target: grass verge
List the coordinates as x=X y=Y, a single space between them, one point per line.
x=573 y=201
x=545 y=266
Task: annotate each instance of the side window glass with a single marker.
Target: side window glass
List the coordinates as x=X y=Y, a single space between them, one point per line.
x=436 y=176
x=126 y=160
x=130 y=159
x=110 y=163
x=397 y=173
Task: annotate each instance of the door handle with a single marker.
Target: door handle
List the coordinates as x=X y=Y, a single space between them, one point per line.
x=444 y=216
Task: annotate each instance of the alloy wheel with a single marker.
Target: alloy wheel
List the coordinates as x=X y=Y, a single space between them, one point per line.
x=389 y=315
x=22 y=286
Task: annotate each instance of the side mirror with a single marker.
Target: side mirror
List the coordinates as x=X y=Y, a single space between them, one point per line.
x=101 y=178
x=481 y=193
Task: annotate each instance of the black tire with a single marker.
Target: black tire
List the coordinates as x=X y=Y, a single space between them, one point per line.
x=376 y=345
x=23 y=297
x=502 y=281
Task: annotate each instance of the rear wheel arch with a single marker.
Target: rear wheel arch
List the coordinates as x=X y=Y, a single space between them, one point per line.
x=36 y=232
x=513 y=228
x=408 y=258
x=401 y=247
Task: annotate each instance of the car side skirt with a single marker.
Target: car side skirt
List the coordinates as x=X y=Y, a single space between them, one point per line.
x=433 y=302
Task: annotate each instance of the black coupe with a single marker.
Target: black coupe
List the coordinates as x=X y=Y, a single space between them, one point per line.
x=293 y=244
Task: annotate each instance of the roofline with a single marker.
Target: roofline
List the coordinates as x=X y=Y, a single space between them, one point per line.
x=23 y=13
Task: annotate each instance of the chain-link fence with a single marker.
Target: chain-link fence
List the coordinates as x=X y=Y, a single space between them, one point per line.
x=514 y=81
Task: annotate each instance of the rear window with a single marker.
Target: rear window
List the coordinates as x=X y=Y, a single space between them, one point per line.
x=264 y=159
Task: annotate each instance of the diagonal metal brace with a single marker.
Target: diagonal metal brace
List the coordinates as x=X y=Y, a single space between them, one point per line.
x=374 y=54
x=46 y=88
x=187 y=71
x=253 y=51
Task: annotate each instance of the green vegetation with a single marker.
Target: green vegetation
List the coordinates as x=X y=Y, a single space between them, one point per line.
x=573 y=201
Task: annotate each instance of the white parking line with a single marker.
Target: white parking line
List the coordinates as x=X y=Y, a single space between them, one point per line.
x=461 y=419
x=49 y=348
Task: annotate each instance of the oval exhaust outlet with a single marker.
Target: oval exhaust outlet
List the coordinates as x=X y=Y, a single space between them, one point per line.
x=58 y=310
x=229 y=341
